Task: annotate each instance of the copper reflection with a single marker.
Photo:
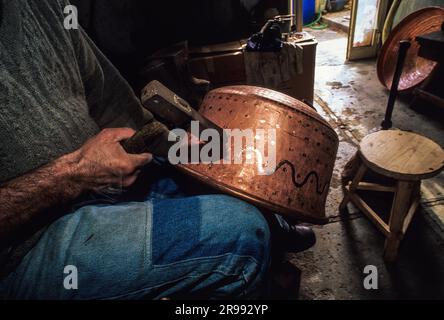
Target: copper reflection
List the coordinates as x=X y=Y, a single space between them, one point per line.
x=306 y=148
x=416 y=69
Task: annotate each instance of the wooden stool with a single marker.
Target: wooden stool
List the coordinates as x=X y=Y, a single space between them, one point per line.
x=406 y=157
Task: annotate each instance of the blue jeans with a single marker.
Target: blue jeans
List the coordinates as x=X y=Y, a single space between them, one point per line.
x=170 y=245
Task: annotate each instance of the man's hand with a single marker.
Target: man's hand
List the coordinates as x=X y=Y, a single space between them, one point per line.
x=102 y=162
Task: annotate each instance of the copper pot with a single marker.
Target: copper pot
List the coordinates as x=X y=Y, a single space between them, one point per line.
x=306 y=147
x=416 y=69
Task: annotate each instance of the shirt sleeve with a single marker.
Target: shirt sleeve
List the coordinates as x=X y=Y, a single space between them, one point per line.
x=111 y=100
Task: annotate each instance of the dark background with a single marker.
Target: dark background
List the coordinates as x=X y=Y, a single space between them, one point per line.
x=129 y=30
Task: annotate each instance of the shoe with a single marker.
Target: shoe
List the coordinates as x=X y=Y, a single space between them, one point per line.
x=298 y=238
x=293 y=237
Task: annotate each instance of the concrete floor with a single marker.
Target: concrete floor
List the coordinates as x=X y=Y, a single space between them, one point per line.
x=351 y=98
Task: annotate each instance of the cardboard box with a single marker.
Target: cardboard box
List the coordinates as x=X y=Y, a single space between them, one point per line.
x=301 y=86
x=224 y=64
x=220 y=69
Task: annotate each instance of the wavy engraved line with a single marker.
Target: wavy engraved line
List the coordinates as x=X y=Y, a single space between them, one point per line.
x=307 y=177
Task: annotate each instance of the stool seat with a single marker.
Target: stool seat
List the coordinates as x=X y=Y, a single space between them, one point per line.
x=402 y=155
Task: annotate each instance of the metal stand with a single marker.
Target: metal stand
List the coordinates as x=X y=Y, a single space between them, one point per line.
x=402 y=53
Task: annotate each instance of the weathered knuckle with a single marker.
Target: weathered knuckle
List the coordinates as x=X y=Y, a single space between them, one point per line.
x=104 y=134
x=127 y=168
x=126 y=183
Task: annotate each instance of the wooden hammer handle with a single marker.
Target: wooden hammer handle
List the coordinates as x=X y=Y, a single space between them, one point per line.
x=152 y=138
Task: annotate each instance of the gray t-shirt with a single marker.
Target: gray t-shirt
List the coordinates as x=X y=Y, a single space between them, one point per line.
x=56 y=91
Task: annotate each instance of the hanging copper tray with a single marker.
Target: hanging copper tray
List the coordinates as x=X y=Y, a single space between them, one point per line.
x=306 y=147
x=416 y=69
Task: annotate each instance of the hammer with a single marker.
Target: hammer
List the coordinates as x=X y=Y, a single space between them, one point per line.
x=172 y=112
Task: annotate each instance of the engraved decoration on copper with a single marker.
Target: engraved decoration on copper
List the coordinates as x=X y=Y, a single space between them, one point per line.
x=306 y=148
x=416 y=68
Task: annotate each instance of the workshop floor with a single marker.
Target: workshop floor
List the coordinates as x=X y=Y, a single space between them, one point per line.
x=350 y=96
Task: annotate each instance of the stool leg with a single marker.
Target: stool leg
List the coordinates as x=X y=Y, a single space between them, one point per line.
x=416 y=197
x=352 y=187
x=400 y=208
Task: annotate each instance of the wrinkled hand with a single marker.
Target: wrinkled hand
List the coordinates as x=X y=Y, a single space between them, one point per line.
x=102 y=162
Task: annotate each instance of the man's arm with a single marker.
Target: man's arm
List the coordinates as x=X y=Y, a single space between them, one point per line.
x=99 y=163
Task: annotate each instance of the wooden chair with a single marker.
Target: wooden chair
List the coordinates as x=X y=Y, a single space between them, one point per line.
x=406 y=157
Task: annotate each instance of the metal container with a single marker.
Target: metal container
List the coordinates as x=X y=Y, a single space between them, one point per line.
x=305 y=144
x=416 y=69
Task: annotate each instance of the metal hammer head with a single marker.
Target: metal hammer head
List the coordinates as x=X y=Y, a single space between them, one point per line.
x=172 y=110
x=175 y=112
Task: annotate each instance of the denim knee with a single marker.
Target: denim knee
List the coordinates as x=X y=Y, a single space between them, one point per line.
x=244 y=225
x=223 y=241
